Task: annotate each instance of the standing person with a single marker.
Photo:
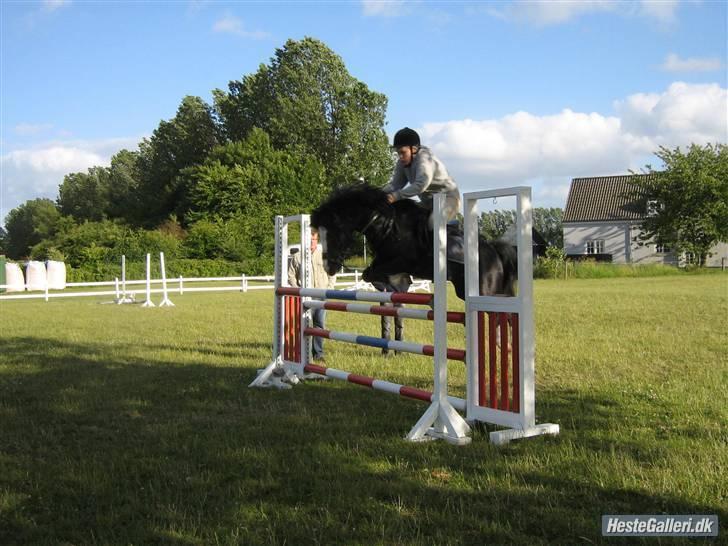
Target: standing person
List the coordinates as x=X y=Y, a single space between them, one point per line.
x=320 y=280
x=426 y=175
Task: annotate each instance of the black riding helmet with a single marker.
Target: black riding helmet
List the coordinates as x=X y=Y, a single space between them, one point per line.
x=406 y=137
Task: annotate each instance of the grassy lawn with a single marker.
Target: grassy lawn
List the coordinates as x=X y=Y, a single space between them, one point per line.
x=126 y=425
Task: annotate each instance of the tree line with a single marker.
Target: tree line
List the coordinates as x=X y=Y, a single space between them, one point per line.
x=207 y=183
x=213 y=177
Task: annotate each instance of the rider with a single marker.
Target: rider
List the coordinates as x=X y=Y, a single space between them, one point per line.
x=425 y=173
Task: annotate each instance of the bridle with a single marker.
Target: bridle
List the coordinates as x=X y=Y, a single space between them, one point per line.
x=387 y=227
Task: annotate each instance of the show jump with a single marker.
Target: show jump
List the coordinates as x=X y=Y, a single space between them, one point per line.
x=499 y=332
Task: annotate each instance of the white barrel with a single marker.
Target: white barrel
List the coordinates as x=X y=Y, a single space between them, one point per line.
x=56 y=274
x=14 y=279
x=35 y=276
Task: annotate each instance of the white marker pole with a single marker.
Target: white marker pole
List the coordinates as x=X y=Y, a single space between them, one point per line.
x=165 y=300
x=148 y=301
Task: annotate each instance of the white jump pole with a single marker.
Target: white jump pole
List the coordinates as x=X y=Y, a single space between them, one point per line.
x=148 y=302
x=123 y=277
x=123 y=297
x=165 y=300
x=440 y=420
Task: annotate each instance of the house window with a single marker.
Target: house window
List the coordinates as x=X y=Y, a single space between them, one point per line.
x=662 y=248
x=689 y=258
x=653 y=207
x=595 y=247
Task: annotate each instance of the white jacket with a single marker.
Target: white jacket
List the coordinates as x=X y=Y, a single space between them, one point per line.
x=426 y=175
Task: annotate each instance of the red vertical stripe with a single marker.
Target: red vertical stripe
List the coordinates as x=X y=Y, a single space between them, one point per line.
x=481 y=359
x=492 y=348
x=287 y=341
x=291 y=330
x=504 y=395
x=516 y=406
x=297 y=327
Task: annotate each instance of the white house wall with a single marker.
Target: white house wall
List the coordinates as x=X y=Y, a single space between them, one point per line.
x=619 y=241
x=615 y=237
x=719 y=257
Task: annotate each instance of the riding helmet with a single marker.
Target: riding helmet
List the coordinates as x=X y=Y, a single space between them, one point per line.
x=406 y=137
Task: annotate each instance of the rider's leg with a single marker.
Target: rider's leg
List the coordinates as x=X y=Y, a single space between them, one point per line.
x=452 y=207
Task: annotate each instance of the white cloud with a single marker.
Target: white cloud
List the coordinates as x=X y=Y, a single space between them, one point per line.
x=673 y=63
x=683 y=114
x=32 y=129
x=384 y=8
x=547 y=151
x=662 y=11
x=232 y=25
x=53 y=5
x=553 y=13
x=37 y=172
x=544 y=13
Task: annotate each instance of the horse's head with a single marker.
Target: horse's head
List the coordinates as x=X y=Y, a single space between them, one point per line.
x=346 y=212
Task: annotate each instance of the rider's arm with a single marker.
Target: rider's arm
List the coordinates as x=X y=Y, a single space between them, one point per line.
x=397 y=181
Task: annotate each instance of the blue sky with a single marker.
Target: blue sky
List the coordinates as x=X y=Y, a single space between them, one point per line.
x=504 y=92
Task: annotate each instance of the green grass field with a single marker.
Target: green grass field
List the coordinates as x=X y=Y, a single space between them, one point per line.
x=126 y=425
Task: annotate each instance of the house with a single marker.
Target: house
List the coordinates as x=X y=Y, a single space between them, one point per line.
x=602 y=220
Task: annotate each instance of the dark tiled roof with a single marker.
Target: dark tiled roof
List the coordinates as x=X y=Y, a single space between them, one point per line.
x=605 y=199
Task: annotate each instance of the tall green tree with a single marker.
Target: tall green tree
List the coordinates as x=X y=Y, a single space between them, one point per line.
x=28 y=224
x=306 y=99
x=238 y=190
x=546 y=221
x=3 y=240
x=549 y=223
x=85 y=196
x=494 y=224
x=687 y=203
x=124 y=187
x=251 y=178
x=176 y=144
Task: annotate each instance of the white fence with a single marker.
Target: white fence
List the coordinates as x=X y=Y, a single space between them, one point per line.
x=181 y=285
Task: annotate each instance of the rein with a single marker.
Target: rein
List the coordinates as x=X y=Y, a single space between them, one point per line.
x=376 y=216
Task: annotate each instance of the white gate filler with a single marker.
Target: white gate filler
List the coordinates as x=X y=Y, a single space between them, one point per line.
x=500 y=337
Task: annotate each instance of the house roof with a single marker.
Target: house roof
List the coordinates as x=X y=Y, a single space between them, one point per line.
x=605 y=199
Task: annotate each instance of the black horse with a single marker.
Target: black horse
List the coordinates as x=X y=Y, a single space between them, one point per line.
x=401 y=241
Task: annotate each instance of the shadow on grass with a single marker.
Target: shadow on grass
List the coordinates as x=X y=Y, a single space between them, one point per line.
x=103 y=450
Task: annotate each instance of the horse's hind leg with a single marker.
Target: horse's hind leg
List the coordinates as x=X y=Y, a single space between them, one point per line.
x=386 y=323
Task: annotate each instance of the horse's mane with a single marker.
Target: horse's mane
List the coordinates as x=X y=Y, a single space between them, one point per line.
x=344 y=200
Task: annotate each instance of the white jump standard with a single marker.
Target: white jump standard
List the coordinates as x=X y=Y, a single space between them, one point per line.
x=501 y=393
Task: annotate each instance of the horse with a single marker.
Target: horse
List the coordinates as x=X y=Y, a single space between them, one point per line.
x=401 y=241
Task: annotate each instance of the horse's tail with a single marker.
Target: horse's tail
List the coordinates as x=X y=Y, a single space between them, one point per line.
x=509 y=260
